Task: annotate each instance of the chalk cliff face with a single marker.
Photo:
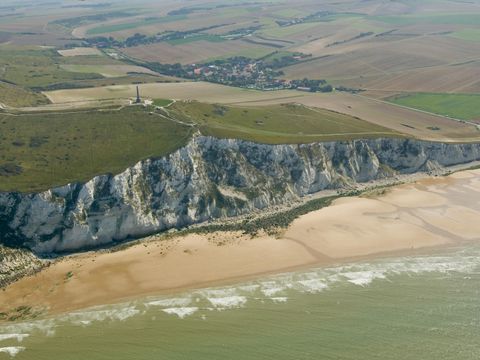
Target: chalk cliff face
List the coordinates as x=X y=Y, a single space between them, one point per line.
x=209 y=178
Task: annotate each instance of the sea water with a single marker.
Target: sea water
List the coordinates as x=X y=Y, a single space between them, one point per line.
x=415 y=307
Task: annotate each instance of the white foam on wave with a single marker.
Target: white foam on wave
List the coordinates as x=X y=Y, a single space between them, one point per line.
x=19 y=337
x=181 y=312
x=276 y=288
x=87 y=317
x=313 y=285
x=363 y=278
x=12 y=350
x=248 y=288
x=228 y=302
x=172 y=302
x=271 y=288
x=45 y=326
x=218 y=292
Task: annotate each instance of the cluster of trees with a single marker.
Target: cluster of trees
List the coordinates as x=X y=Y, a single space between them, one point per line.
x=283 y=61
x=176 y=70
x=312 y=17
x=347 y=89
x=141 y=39
x=186 y=10
x=312 y=85
x=359 y=36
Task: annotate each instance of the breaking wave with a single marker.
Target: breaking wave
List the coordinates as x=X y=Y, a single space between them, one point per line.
x=277 y=289
x=12 y=350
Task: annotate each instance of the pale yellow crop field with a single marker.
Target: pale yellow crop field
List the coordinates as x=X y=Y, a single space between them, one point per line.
x=201 y=91
x=80 y=51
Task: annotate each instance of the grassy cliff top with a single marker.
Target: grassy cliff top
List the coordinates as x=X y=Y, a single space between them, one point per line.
x=42 y=150
x=277 y=124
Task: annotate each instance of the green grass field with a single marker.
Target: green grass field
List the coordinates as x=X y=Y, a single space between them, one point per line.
x=32 y=68
x=460 y=106
x=162 y=102
x=15 y=96
x=276 y=124
x=40 y=151
x=105 y=70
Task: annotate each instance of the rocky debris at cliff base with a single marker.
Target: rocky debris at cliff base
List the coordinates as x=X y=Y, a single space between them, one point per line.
x=17 y=263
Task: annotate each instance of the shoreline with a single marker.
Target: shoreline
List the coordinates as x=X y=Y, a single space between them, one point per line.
x=429 y=213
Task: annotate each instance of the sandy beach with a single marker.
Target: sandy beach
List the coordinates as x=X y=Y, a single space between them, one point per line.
x=429 y=213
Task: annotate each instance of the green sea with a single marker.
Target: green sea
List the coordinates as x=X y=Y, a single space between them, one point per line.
x=415 y=307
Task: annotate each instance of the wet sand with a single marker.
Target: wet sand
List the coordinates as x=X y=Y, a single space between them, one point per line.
x=429 y=213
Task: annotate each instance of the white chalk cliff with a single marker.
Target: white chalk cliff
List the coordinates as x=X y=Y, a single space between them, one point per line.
x=209 y=178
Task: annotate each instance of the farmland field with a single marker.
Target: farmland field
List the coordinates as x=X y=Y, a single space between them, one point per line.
x=81 y=51
x=201 y=91
x=420 y=63
x=460 y=106
x=194 y=51
x=108 y=70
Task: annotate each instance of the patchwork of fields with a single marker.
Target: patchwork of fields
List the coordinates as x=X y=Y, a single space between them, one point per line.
x=26 y=71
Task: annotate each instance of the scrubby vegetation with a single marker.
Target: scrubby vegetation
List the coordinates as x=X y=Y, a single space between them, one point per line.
x=39 y=151
x=16 y=96
x=271 y=224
